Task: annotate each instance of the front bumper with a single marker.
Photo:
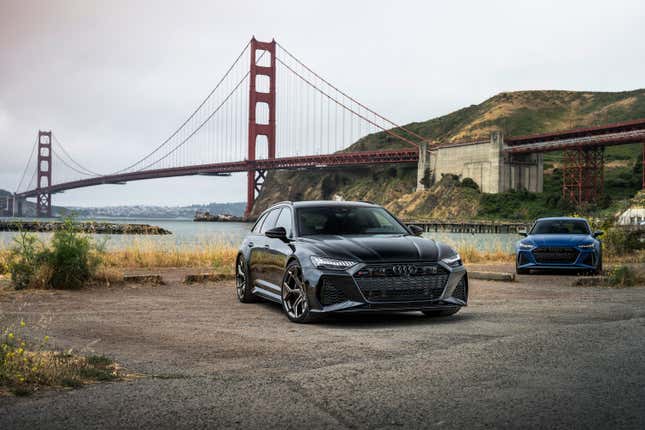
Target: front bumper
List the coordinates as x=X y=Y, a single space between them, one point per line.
x=343 y=291
x=586 y=259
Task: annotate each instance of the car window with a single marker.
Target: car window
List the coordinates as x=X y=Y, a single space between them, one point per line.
x=258 y=224
x=348 y=220
x=269 y=222
x=560 y=226
x=284 y=220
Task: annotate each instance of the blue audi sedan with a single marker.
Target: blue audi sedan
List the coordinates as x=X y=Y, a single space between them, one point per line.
x=559 y=244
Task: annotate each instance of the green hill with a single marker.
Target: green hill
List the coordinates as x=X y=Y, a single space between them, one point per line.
x=515 y=113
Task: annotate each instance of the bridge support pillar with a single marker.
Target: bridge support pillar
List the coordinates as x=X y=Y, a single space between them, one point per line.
x=44 y=174
x=17 y=207
x=10 y=205
x=583 y=174
x=255 y=178
x=424 y=172
x=255 y=181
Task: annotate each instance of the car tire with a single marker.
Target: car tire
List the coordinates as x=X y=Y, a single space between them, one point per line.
x=521 y=271
x=295 y=303
x=441 y=312
x=598 y=270
x=242 y=281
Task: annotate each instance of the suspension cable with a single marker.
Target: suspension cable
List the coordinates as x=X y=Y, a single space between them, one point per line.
x=390 y=132
x=85 y=169
x=350 y=97
x=191 y=115
x=200 y=125
x=59 y=158
x=24 y=172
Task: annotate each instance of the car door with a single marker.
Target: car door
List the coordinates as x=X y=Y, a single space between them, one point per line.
x=255 y=241
x=260 y=259
x=279 y=250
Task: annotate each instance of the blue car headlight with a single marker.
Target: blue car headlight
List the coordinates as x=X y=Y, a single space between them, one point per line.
x=526 y=246
x=587 y=246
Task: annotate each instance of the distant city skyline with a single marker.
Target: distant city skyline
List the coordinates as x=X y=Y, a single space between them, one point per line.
x=112 y=79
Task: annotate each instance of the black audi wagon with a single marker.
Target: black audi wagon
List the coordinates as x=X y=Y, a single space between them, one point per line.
x=319 y=257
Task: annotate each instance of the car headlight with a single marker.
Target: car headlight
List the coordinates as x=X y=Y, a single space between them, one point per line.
x=453 y=260
x=331 y=263
x=586 y=246
x=526 y=246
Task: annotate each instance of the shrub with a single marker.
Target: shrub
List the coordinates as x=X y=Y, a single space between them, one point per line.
x=73 y=258
x=621 y=276
x=469 y=183
x=24 y=366
x=25 y=258
x=68 y=262
x=620 y=242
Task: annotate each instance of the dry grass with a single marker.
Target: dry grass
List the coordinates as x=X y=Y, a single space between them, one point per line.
x=470 y=254
x=4 y=261
x=145 y=254
x=26 y=366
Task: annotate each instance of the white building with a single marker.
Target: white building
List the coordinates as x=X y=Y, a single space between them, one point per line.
x=632 y=216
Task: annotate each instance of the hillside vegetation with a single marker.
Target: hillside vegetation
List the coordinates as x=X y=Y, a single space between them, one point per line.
x=515 y=113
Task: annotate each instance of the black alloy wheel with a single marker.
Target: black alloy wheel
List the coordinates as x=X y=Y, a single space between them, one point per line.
x=294 y=295
x=242 y=285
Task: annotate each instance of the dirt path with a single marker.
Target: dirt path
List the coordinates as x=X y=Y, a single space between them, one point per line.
x=534 y=354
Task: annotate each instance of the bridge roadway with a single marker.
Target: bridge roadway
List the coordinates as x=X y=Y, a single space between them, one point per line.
x=284 y=163
x=606 y=135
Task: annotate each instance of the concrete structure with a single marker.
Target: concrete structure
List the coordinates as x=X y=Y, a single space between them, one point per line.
x=485 y=162
x=632 y=216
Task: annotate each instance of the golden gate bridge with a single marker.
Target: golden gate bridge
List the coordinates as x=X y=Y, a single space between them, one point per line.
x=270 y=111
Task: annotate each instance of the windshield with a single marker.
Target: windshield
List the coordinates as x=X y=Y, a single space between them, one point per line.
x=347 y=220
x=560 y=226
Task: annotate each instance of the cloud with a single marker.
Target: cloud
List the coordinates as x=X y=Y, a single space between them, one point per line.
x=113 y=79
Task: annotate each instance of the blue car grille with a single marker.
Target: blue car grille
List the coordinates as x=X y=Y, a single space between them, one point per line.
x=383 y=283
x=555 y=255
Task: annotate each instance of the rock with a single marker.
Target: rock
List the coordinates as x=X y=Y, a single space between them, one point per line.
x=85 y=227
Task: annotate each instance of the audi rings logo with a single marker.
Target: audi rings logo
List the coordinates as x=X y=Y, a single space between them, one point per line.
x=404 y=269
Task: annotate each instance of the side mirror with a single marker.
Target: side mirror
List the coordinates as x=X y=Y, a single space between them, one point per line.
x=277 y=233
x=598 y=233
x=522 y=231
x=415 y=229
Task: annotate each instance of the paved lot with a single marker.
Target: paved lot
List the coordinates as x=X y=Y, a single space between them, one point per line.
x=531 y=354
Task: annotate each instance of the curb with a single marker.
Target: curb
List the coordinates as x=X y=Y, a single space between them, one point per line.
x=492 y=276
x=143 y=279
x=205 y=277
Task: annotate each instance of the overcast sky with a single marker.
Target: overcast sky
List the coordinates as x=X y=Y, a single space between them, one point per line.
x=113 y=78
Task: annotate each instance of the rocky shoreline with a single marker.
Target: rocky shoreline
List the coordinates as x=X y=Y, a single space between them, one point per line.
x=208 y=217
x=85 y=227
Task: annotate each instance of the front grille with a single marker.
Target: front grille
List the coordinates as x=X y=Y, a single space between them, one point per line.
x=555 y=255
x=331 y=292
x=402 y=282
x=523 y=259
x=461 y=291
x=588 y=260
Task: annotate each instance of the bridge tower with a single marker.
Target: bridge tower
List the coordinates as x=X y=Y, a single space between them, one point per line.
x=583 y=174
x=255 y=177
x=44 y=174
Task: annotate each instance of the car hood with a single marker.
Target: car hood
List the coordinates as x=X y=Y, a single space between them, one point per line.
x=559 y=239
x=376 y=248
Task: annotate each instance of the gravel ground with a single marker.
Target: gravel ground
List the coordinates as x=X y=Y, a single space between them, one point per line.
x=536 y=353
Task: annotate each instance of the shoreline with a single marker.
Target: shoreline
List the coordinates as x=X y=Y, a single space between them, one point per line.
x=84 y=227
